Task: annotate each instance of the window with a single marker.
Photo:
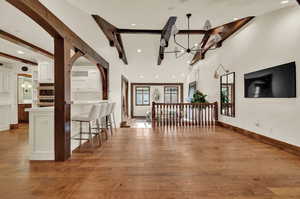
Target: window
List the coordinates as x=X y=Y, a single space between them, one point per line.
x=142 y=96
x=171 y=94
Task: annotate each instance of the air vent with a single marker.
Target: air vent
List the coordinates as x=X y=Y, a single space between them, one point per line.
x=80 y=73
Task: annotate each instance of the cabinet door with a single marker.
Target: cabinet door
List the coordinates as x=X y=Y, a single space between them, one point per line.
x=6 y=83
x=46 y=73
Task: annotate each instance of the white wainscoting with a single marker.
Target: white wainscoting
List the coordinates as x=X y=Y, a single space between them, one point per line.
x=5 y=116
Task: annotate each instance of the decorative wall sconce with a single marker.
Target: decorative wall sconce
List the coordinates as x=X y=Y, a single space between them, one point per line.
x=216 y=74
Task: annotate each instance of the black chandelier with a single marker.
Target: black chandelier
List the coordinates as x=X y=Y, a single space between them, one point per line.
x=181 y=50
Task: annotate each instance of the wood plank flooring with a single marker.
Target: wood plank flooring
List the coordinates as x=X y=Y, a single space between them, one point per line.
x=188 y=163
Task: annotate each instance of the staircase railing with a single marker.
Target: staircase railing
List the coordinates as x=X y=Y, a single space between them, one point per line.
x=184 y=114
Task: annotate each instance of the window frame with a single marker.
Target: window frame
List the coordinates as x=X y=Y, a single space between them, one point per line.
x=177 y=92
x=136 y=88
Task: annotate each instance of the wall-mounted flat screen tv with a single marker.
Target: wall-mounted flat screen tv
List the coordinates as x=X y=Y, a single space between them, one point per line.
x=275 y=82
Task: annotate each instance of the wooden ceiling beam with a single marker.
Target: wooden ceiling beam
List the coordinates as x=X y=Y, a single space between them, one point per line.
x=55 y=27
x=25 y=61
x=166 y=34
x=225 y=31
x=113 y=36
x=298 y=1
x=20 y=42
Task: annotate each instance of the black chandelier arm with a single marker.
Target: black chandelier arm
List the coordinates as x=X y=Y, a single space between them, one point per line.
x=197 y=50
x=215 y=48
x=173 y=51
x=181 y=55
x=179 y=43
x=192 y=49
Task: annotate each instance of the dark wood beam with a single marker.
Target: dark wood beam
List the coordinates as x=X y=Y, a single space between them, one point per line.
x=166 y=33
x=157 y=32
x=76 y=56
x=18 y=41
x=298 y=1
x=62 y=109
x=225 y=32
x=104 y=74
x=55 y=27
x=114 y=38
x=25 y=61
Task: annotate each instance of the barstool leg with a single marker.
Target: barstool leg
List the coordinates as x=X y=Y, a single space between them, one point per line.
x=90 y=134
x=99 y=133
x=110 y=125
x=113 y=115
x=80 y=134
x=106 y=135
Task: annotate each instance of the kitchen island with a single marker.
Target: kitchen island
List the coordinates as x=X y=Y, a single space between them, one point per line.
x=41 y=128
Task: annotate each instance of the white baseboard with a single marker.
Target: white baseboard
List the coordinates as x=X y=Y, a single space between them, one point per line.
x=42 y=156
x=4 y=127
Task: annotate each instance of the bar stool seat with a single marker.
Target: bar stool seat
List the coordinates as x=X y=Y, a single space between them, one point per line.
x=89 y=119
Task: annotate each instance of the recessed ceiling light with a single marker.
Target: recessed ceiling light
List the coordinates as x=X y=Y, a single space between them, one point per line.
x=133 y=24
x=285 y=2
x=141 y=76
x=182 y=50
x=20 y=52
x=139 y=50
x=188 y=62
x=196 y=44
x=156 y=76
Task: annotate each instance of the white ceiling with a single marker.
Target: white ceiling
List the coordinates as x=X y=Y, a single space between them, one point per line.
x=144 y=13
x=154 y=13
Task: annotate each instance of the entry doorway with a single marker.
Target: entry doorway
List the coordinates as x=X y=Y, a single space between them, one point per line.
x=25 y=97
x=125 y=102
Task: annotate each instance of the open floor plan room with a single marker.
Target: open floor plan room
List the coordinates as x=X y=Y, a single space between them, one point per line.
x=173 y=99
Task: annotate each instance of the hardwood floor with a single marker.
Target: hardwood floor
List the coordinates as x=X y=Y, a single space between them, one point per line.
x=189 y=163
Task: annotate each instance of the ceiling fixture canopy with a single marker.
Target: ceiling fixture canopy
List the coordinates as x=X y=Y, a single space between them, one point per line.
x=181 y=50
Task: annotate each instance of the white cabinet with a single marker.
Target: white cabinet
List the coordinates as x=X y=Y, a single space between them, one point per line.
x=41 y=133
x=46 y=73
x=4 y=81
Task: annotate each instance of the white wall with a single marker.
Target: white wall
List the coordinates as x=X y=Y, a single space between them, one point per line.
x=270 y=40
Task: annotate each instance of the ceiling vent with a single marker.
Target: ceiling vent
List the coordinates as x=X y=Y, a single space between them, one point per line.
x=80 y=73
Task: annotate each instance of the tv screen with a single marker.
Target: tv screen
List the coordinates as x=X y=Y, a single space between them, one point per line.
x=275 y=82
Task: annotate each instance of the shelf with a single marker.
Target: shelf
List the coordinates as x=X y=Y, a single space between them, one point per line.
x=46 y=94
x=46 y=97
x=45 y=88
x=45 y=104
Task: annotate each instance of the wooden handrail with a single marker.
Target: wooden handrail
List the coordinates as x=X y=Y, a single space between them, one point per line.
x=184 y=114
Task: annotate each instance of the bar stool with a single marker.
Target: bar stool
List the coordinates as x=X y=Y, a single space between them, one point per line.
x=90 y=118
x=113 y=114
x=109 y=118
x=100 y=120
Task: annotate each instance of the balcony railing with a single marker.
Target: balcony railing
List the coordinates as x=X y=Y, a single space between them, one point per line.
x=184 y=114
